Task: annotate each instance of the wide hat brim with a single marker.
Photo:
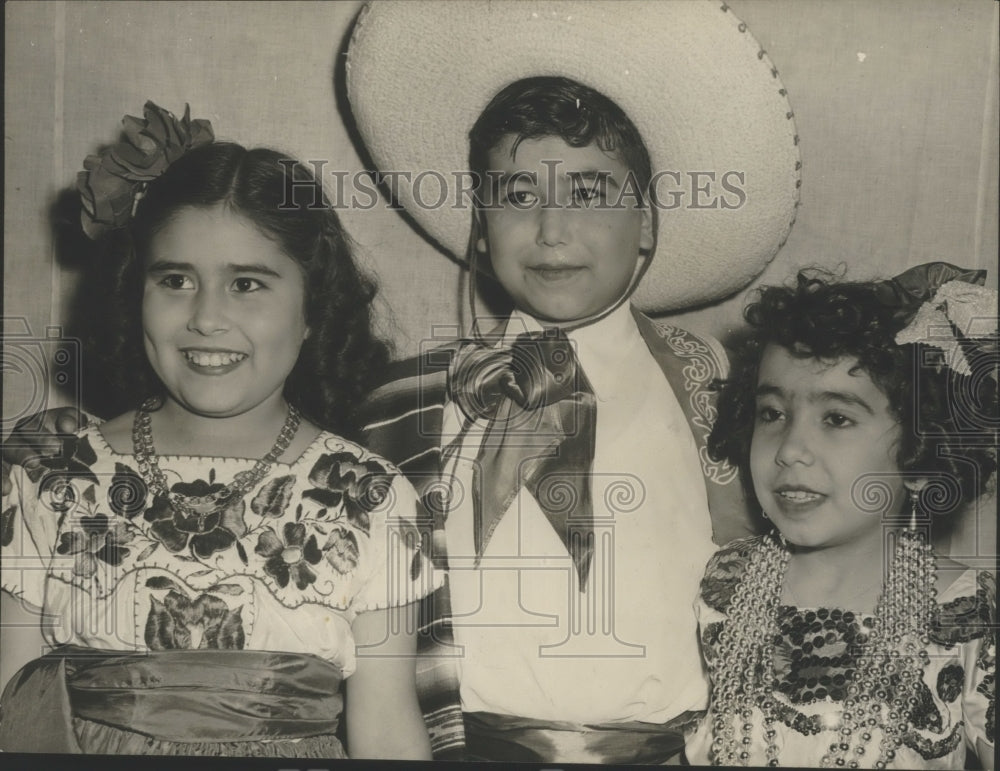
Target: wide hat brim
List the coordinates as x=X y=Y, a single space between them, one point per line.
x=704 y=95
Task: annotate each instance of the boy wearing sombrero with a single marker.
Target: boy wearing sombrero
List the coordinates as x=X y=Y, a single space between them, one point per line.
x=562 y=456
x=630 y=157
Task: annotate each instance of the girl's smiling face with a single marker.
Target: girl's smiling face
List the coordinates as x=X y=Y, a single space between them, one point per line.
x=223 y=312
x=821 y=430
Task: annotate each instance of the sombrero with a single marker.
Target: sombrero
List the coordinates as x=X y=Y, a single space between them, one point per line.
x=698 y=86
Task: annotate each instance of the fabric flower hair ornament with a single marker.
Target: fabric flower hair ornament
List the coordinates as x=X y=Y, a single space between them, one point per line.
x=947 y=307
x=113 y=182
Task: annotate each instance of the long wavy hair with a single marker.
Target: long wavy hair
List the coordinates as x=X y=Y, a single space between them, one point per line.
x=338 y=362
x=946 y=418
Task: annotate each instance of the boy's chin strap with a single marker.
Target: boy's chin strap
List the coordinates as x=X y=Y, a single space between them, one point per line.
x=568 y=327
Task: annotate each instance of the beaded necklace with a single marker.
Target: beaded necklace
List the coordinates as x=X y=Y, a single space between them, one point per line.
x=882 y=693
x=201 y=506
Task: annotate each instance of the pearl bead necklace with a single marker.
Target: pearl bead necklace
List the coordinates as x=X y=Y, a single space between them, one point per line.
x=883 y=692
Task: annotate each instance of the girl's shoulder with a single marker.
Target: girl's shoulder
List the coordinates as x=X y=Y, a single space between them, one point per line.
x=956 y=578
x=331 y=448
x=967 y=608
x=113 y=435
x=725 y=570
x=80 y=455
x=334 y=467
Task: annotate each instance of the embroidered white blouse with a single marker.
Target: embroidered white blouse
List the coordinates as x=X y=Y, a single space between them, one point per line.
x=286 y=568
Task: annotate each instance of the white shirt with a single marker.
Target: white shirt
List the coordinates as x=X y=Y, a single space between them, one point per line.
x=625 y=649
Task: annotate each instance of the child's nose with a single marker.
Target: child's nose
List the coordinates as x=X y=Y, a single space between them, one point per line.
x=208 y=314
x=794 y=446
x=551 y=225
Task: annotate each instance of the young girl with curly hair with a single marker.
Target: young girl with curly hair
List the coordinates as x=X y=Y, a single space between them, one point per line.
x=861 y=412
x=213 y=563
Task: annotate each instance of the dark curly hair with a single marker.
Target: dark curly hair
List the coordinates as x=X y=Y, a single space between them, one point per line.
x=949 y=421
x=340 y=359
x=544 y=106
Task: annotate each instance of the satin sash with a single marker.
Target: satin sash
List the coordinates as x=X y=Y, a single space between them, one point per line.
x=491 y=736
x=175 y=695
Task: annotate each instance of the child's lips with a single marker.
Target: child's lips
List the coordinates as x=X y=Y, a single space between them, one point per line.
x=555 y=273
x=797 y=499
x=214 y=361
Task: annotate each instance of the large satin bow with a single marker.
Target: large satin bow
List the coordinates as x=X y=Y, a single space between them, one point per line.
x=542 y=421
x=946 y=307
x=915 y=286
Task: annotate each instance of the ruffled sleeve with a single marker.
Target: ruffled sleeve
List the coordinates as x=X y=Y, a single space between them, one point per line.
x=722 y=575
x=724 y=572
x=398 y=570
x=980 y=654
x=27 y=539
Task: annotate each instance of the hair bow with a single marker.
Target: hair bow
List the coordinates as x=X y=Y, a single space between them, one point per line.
x=948 y=308
x=114 y=180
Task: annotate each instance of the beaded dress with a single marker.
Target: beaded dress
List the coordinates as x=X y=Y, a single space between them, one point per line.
x=286 y=568
x=815 y=657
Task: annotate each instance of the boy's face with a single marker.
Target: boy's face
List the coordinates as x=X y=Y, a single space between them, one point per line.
x=564 y=233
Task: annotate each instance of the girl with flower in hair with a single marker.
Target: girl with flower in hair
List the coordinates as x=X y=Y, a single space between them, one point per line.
x=211 y=565
x=840 y=638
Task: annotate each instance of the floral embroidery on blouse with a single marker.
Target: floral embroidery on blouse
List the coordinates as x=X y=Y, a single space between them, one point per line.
x=175 y=621
x=97 y=538
x=205 y=533
x=969 y=617
x=988 y=689
x=7 y=525
x=291 y=556
x=333 y=514
x=341 y=480
x=322 y=535
x=724 y=571
x=75 y=458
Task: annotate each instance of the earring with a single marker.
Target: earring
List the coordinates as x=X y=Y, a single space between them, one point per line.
x=140 y=193
x=914 y=508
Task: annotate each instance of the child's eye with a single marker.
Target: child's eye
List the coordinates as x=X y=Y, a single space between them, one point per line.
x=588 y=193
x=521 y=198
x=176 y=281
x=768 y=414
x=243 y=285
x=837 y=420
